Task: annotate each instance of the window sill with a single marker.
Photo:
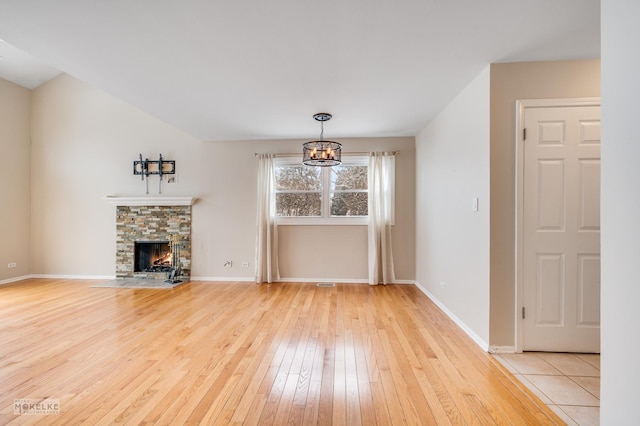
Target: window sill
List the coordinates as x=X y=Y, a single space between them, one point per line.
x=350 y=221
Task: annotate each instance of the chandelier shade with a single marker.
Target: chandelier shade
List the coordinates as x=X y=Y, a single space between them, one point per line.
x=320 y=152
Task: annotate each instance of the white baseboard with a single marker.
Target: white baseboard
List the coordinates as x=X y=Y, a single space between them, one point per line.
x=479 y=341
x=74 y=277
x=15 y=279
x=243 y=279
x=496 y=349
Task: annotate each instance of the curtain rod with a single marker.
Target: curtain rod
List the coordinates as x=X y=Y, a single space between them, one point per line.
x=344 y=153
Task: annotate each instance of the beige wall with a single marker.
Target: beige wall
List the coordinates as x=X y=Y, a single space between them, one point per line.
x=84 y=143
x=15 y=190
x=510 y=82
x=452 y=241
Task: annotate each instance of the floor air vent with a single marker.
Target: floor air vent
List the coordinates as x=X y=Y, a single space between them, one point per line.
x=326 y=285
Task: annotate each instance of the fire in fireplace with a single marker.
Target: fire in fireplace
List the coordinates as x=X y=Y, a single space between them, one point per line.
x=152 y=256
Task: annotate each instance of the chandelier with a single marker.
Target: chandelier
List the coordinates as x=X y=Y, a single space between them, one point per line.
x=321 y=153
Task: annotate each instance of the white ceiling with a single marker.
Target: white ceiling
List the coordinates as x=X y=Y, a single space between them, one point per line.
x=23 y=69
x=259 y=69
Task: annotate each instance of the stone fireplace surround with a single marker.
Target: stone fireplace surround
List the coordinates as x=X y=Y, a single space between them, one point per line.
x=151 y=219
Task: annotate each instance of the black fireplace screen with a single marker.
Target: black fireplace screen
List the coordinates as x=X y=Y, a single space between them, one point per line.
x=152 y=256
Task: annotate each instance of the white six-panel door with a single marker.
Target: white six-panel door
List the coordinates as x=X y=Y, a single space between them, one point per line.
x=561 y=229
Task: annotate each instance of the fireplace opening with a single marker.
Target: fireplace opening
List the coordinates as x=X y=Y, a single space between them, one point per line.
x=152 y=256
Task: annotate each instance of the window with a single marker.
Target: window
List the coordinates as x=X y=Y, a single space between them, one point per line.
x=322 y=195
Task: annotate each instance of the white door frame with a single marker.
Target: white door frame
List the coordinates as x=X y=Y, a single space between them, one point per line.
x=521 y=107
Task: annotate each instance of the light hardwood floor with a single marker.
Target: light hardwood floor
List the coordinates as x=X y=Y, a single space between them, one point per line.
x=241 y=353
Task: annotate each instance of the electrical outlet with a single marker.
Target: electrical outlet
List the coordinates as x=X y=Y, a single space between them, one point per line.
x=227 y=264
x=12 y=265
x=245 y=264
x=442 y=284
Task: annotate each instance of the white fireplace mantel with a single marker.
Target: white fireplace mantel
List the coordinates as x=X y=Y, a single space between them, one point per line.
x=150 y=201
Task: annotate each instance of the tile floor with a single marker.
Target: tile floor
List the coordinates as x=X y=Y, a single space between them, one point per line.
x=568 y=383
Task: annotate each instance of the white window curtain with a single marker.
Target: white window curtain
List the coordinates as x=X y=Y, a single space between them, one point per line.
x=266 y=261
x=381 y=217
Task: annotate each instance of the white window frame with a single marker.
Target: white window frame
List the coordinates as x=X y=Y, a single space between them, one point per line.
x=326 y=218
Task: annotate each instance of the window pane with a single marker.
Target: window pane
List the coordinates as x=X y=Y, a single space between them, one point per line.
x=349 y=204
x=299 y=204
x=348 y=177
x=298 y=178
